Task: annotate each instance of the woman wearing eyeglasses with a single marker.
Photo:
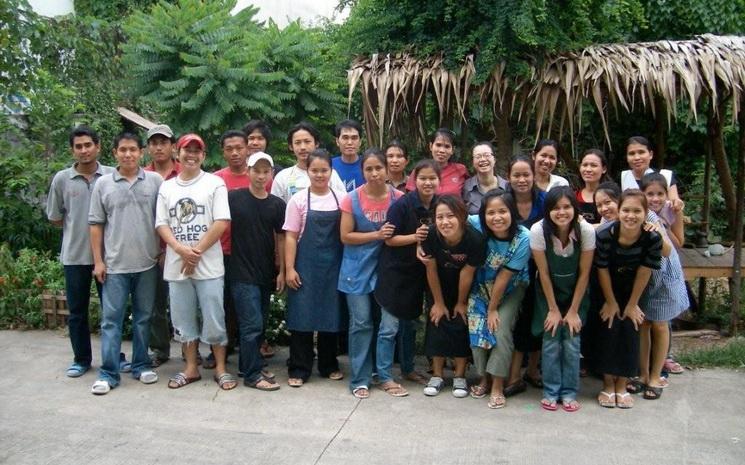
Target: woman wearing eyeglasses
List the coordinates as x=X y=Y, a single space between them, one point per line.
x=484 y=181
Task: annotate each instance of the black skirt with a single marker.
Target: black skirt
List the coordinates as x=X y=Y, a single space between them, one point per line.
x=448 y=339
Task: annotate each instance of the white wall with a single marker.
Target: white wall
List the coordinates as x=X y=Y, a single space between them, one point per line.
x=280 y=10
x=52 y=7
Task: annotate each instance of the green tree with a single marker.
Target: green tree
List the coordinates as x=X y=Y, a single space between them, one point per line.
x=496 y=31
x=206 y=70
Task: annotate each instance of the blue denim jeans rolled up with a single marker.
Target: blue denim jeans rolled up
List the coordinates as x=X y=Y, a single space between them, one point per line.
x=249 y=301
x=560 y=365
x=116 y=291
x=361 y=330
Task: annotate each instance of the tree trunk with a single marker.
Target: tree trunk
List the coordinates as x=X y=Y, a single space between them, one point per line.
x=502 y=141
x=660 y=134
x=720 y=160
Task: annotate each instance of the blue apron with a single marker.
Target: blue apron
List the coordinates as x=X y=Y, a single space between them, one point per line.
x=358 y=274
x=315 y=306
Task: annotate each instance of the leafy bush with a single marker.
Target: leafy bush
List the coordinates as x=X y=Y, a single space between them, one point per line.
x=23 y=278
x=276 y=326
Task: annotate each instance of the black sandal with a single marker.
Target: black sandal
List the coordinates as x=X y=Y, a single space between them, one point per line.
x=652 y=392
x=635 y=386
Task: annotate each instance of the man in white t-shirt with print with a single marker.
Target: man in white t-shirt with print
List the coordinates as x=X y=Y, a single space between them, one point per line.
x=192 y=214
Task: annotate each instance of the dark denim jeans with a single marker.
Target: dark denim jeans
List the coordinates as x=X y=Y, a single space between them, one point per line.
x=78 y=289
x=249 y=301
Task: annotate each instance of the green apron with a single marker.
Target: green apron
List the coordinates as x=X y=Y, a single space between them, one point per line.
x=564 y=273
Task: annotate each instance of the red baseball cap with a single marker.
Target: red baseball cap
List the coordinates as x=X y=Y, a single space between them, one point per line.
x=188 y=138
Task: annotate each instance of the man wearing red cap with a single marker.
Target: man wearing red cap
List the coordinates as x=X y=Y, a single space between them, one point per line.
x=192 y=214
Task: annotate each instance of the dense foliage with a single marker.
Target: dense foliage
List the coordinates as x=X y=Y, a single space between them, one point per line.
x=208 y=71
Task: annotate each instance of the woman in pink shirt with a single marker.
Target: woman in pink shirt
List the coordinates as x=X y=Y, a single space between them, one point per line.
x=453 y=175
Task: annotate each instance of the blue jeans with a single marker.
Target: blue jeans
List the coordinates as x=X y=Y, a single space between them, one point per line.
x=560 y=365
x=361 y=330
x=116 y=290
x=386 y=346
x=249 y=301
x=78 y=289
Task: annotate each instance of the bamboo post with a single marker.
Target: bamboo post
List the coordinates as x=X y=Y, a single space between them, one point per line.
x=739 y=211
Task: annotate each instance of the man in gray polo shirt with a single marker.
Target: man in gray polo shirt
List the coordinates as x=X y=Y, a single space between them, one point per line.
x=125 y=256
x=67 y=206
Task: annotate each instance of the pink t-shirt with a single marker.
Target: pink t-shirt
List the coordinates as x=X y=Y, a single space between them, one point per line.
x=297 y=208
x=232 y=182
x=374 y=210
x=452 y=178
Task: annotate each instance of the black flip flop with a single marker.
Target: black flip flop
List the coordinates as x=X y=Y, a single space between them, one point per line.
x=652 y=392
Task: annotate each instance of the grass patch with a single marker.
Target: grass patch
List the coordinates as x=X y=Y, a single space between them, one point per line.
x=729 y=355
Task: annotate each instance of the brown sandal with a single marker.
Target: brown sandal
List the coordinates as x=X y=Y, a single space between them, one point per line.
x=226 y=381
x=394 y=389
x=180 y=380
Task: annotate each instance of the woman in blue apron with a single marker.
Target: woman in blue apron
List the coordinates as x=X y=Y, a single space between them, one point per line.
x=363 y=230
x=563 y=248
x=313 y=252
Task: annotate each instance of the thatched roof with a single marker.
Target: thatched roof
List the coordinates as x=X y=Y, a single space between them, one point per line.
x=616 y=76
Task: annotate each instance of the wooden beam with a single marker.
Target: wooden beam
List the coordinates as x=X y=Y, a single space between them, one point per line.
x=739 y=211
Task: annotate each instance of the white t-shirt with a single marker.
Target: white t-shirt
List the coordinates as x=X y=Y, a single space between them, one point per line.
x=628 y=181
x=538 y=240
x=556 y=180
x=292 y=180
x=189 y=208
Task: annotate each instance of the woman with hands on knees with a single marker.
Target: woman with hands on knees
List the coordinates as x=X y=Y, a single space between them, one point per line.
x=563 y=248
x=497 y=293
x=626 y=254
x=364 y=228
x=456 y=250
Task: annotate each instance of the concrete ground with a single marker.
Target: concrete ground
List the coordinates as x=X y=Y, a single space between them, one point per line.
x=47 y=418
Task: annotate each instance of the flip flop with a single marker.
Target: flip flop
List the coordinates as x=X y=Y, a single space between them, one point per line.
x=570 y=406
x=635 y=386
x=180 y=380
x=361 y=392
x=263 y=384
x=225 y=380
x=478 y=391
x=336 y=375
x=609 y=401
x=549 y=405
x=652 y=392
x=76 y=370
x=100 y=387
x=416 y=377
x=295 y=382
x=626 y=403
x=496 y=401
x=394 y=389
x=515 y=388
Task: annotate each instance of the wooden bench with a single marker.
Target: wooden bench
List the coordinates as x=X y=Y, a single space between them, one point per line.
x=697 y=265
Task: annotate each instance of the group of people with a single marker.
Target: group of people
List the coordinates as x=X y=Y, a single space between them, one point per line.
x=578 y=280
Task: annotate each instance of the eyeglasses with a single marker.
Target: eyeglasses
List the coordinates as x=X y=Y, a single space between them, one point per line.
x=482 y=156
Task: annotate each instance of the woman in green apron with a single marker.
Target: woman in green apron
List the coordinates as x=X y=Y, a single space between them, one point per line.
x=563 y=248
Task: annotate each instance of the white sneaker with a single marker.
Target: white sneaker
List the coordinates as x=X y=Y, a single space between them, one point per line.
x=434 y=386
x=460 y=387
x=100 y=387
x=148 y=377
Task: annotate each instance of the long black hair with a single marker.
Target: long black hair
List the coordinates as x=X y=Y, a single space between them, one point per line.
x=509 y=202
x=555 y=194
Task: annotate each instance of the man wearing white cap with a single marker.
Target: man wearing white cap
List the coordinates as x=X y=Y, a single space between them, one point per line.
x=252 y=274
x=192 y=214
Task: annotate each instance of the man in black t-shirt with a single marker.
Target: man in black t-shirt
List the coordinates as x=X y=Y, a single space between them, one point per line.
x=257 y=219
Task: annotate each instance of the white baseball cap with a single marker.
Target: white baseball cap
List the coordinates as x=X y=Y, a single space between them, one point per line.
x=253 y=159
